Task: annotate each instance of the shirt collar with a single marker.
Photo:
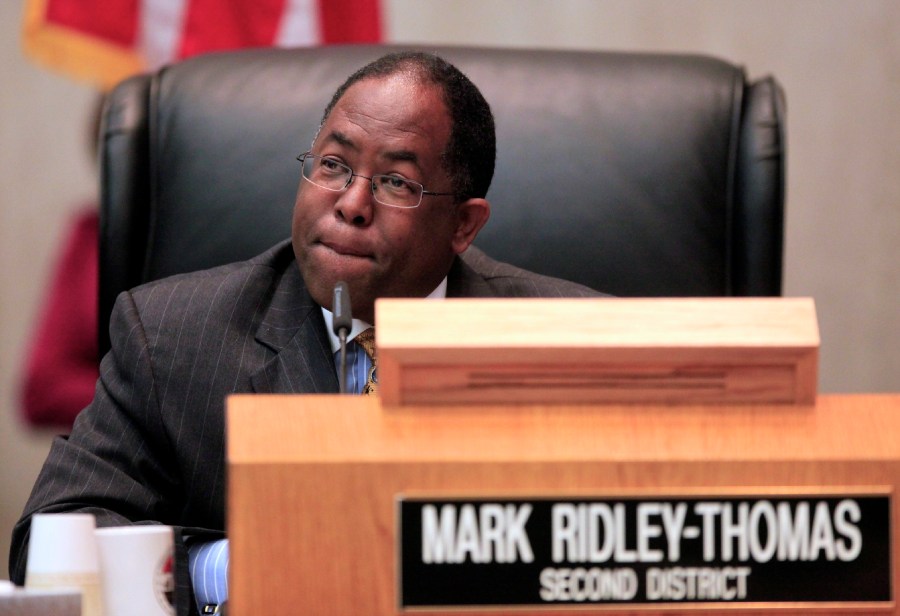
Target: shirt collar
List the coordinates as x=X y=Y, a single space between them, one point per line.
x=360 y=326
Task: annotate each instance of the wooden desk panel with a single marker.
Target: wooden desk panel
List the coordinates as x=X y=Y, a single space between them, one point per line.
x=313 y=479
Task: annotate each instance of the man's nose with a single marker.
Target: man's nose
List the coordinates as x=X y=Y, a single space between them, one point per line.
x=356 y=205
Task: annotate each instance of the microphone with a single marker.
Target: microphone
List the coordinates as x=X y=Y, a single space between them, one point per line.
x=341 y=323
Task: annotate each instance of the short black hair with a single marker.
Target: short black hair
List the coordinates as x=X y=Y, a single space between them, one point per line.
x=472 y=147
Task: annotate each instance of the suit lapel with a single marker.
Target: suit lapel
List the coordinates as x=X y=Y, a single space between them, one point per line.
x=464 y=281
x=293 y=328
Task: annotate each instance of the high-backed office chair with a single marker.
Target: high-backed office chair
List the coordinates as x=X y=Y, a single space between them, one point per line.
x=635 y=174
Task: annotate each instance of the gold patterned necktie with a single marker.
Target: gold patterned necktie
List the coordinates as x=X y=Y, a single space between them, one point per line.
x=366 y=340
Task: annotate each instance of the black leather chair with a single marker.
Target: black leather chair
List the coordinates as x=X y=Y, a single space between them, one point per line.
x=636 y=174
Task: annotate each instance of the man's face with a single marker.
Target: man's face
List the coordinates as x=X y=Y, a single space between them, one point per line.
x=389 y=125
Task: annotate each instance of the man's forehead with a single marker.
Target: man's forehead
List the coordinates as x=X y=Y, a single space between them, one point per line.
x=404 y=87
x=396 y=103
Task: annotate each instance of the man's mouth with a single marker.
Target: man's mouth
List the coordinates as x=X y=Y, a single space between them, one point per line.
x=345 y=250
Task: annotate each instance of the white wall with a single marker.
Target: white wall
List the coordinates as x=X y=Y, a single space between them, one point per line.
x=838 y=61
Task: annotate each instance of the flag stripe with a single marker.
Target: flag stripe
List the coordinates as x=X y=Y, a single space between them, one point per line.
x=350 y=21
x=299 y=24
x=213 y=25
x=161 y=26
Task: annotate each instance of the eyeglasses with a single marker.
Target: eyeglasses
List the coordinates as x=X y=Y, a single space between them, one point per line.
x=391 y=190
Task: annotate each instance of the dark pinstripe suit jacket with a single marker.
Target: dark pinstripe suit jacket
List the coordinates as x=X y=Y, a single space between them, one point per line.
x=150 y=447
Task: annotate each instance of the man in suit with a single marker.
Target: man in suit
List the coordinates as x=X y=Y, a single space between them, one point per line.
x=391 y=197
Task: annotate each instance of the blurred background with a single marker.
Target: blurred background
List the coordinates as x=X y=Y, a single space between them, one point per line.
x=838 y=61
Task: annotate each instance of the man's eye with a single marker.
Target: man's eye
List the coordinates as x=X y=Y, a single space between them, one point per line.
x=326 y=164
x=395 y=184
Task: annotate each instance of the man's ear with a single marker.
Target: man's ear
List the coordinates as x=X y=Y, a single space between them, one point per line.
x=471 y=216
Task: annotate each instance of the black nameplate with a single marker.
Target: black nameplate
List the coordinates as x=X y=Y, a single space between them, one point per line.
x=553 y=551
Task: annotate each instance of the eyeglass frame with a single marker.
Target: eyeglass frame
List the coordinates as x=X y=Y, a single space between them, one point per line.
x=302 y=158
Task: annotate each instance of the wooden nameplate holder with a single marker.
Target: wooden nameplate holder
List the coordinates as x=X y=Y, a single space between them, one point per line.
x=502 y=351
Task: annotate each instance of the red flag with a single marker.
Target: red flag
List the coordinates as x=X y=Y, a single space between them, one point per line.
x=104 y=41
